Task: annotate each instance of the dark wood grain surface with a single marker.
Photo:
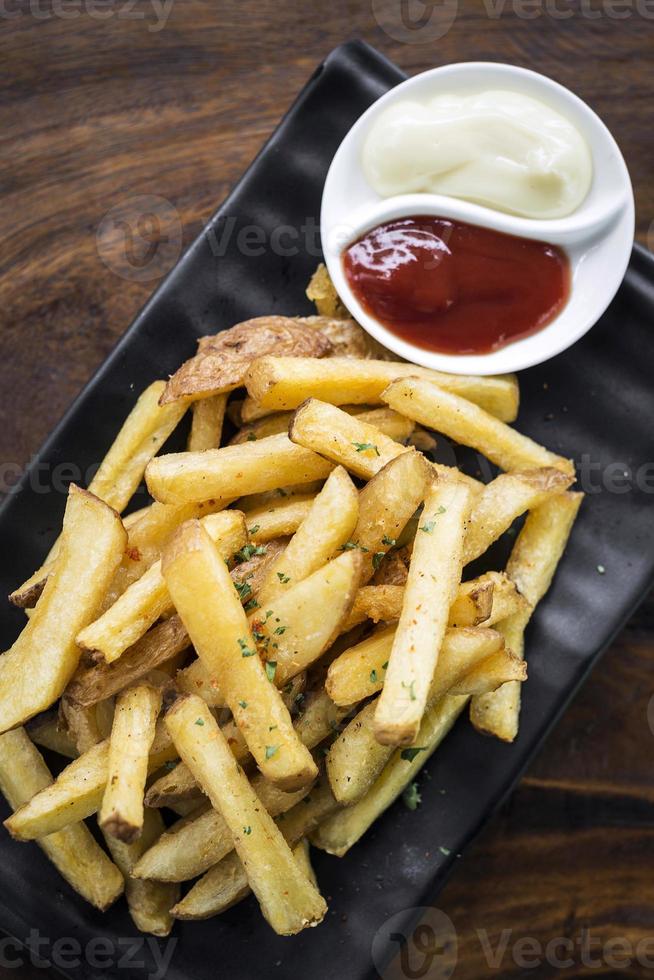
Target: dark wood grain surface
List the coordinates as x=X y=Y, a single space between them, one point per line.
x=102 y=102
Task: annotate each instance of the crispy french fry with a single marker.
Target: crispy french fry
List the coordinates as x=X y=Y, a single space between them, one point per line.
x=328 y=525
x=338 y=833
x=207 y=423
x=434 y=577
x=73 y=851
x=535 y=556
x=469 y=425
x=147 y=599
x=82 y=724
x=302 y=855
x=253 y=501
x=35 y=671
x=77 y=791
x=195 y=844
x=270 y=425
x=386 y=503
x=226 y=883
x=149 y=902
x=209 y=606
x=47 y=731
x=101 y=681
x=225 y=473
x=472 y=664
x=132 y=735
x=279 y=383
x=278 y=517
x=358 y=446
x=504 y=499
x=288 y=900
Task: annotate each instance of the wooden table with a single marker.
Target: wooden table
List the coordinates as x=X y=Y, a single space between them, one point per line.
x=94 y=111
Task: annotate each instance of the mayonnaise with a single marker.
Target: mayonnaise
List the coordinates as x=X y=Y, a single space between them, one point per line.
x=498 y=148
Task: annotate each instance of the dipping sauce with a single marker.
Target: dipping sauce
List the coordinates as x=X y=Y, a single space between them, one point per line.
x=453 y=287
x=499 y=148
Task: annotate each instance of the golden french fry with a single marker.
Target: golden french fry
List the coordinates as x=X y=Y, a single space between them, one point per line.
x=73 y=851
x=535 y=556
x=77 y=791
x=82 y=724
x=35 y=671
x=253 y=501
x=270 y=425
x=278 y=517
x=434 y=577
x=132 y=735
x=225 y=473
x=288 y=900
x=328 y=525
x=472 y=662
x=101 y=681
x=207 y=423
x=147 y=599
x=302 y=855
x=358 y=446
x=226 y=883
x=149 y=902
x=279 y=383
x=205 y=598
x=338 y=833
x=195 y=844
x=469 y=425
x=322 y=291
x=47 y=731
x=504 y=499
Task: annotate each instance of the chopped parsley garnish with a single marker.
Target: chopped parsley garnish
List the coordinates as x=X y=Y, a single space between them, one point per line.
x=250 y=605
x=243 y=704
x=362 y=447
x=246 y=651
x=409 y=687
x=247 y=831
x=390 y=542
x=244 y=589
x=271 y=667
x=411 y=796
x=271 y=750
x=351 y=545
x=373 y=676
x=283 y=578
x=409 y=754
x=385 y=666
x=428 y=527
x=280 y=630
x=254 y=529
x=199 y=721
x=248 y=551
x=377 y=559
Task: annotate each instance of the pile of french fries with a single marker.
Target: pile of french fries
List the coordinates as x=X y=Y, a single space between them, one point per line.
x=273 y=648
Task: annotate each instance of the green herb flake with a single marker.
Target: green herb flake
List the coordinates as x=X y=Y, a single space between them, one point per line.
x=251 y=605
x=373 y=676
x=247 y=831
x=271 y=750
x=249 y=551
x=389 y=542
x=284 y=579
x=362 y=447
x=411 y=796
x=246 y=650
x=271 y=667
x=254 y=529
x=280 y=630
x=251 y=437
x=243 y=704
x=377 y=559
x=409 y=754
x=244 y=589
x=428 y=527
x=409 y=688
x=445 y=851
x=199 y=721
x=385 y=666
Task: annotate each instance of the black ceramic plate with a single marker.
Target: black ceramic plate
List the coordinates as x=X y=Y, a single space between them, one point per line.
x=595 y=402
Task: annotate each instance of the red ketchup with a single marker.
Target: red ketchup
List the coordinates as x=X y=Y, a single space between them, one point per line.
x=453 y=287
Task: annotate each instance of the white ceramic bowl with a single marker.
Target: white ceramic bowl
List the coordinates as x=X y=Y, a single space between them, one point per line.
x=597 y=237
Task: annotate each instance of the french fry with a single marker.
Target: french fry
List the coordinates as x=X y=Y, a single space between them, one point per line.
x=505 y=499
x=292 y=630
x=207 y=423
x=386 y=503
x=278 y=517
x=328 y=525
x=147 y=599
x=468 y=424
x=73 y=851
x=209 y=606
x=132 y=735
x=302 y=855
x=35 y=671
x=392 y=424
x=149 y=902
x=280 y=383
x=434 y=577
x=195 y=844
x=226 y=883
x=77 y=791
x=345 y=439
x=143 y=434
x=470 y=665
x=224 y=474
x=472 y=605
x=270 y=425
x=535 y=556
x=338 y=833
x=253 y=501
x=101 y=681
x=82 y=724
x=47 y=731
x=288 y=900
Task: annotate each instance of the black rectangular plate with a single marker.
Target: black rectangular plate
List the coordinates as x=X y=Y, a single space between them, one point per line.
x=595 y=402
